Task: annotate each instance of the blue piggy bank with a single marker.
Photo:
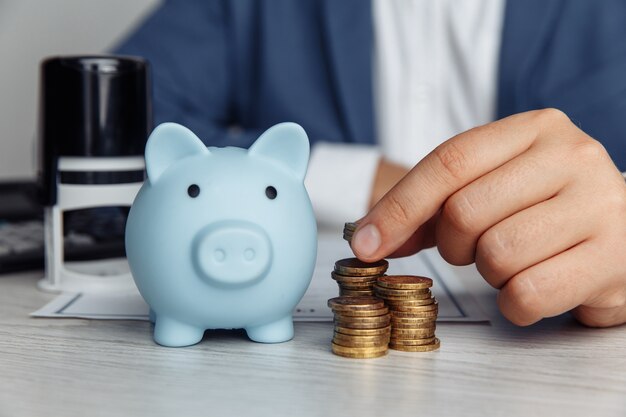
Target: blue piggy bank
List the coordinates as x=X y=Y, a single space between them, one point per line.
x=223 y=238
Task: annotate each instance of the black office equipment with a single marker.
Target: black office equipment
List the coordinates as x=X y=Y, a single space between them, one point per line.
x=88 y=234
x=94 y=119
x=91 y=106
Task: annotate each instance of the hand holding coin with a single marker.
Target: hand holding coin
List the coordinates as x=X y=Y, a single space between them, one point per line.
x=535 y=202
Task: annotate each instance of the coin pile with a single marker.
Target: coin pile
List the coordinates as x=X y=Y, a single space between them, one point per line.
x=357 y=278
x=413 y=312
x=348 y=231
x=361 y=327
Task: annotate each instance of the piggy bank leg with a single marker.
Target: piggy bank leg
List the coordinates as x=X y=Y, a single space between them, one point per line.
x=152 y=316
x=172 y=333
x=275 y=332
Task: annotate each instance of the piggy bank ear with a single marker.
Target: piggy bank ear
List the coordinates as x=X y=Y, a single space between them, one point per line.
x=285 y=144
x=168 y=143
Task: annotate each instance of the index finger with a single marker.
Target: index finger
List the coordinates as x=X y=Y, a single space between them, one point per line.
x=451 y=166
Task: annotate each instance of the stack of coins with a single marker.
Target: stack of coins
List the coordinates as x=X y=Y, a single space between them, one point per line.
x=413 y=312
x=348 y=230
x=361 y=327
x=357 y=278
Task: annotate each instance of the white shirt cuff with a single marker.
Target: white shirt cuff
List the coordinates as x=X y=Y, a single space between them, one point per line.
x=339 y=181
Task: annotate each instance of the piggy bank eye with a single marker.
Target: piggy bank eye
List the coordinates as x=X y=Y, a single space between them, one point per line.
x=193 y=191
x=271 y=192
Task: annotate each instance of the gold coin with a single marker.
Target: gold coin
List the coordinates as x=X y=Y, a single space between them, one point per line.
x=413 y=319
x=402 y=293
x=410 y=303
x=416 y=318
x=382 y=319
x=400 y=298
x=356 y=284
x=413 y=325
x=361 y=325
x=380 y=338
x=359 y=349
x=411 y=333
x=418 y=348
x=355 y=293
x=361 y=279
x=357 y=344
x=427 y=307
x=363 y=322
x=356 y=267
x=410 y=311
x=359 y=353
x=356 y=287
x=351 y=226
x=428 y=315
x=411 y=342
x=364 y=332
x=405 y=282
x=360 y=286
x=362 y=341
x=399 y=305
x=416 y=321
x=339 y=304
x=365 y=313
x=415 y=315
x=432 y=315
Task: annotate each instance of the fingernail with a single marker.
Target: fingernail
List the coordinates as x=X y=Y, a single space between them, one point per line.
x=366 y=241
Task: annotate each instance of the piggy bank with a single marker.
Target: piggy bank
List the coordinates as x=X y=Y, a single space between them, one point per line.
x=222 y=238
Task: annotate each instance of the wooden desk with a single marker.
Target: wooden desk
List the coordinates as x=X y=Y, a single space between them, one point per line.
x=68 y=367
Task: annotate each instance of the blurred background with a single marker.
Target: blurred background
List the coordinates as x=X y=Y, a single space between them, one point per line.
x=33 y=29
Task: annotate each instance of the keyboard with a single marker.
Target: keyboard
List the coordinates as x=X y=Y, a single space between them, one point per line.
x=89 y=234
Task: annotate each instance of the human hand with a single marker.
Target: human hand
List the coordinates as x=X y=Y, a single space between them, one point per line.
x=536 y=203
x=387 y=175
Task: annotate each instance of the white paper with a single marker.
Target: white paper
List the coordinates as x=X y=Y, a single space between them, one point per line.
x=455 y=303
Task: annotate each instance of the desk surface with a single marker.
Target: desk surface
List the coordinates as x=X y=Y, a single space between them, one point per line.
x=71 y=367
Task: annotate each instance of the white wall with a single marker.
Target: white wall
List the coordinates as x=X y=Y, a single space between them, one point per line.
x=33 y=29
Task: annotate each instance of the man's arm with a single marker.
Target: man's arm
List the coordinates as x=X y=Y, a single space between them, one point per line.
x=187 y=44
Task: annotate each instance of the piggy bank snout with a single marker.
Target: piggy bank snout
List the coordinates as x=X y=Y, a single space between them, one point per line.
x=232 y=253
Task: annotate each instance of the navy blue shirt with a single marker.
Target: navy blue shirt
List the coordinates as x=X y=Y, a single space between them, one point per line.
x=250 y=64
